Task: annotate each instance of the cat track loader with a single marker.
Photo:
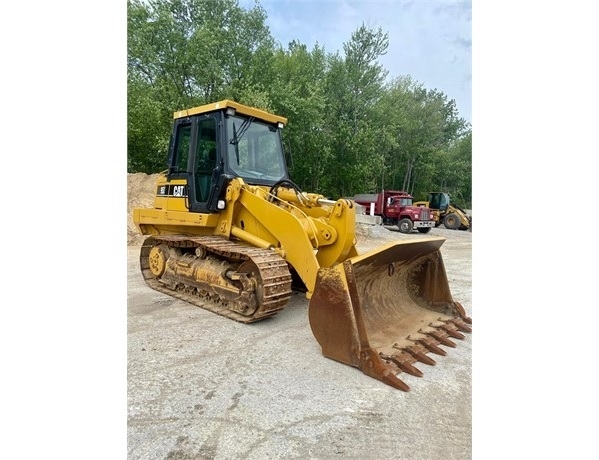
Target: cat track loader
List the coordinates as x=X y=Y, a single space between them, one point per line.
x=231 y=232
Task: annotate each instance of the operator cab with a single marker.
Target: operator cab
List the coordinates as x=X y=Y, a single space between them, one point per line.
x=438 y=200
x=214 y=143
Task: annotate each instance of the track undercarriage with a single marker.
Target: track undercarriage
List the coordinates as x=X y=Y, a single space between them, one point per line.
x=240 y=282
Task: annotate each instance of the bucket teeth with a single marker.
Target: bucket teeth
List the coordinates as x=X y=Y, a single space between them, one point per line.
x=462 y=312
x=452 y=332
x=441 y=339
x=420 y=356
x=431 y=345
x=403 y=363
x=396 y=382
x=460 y=325
x=372 y=364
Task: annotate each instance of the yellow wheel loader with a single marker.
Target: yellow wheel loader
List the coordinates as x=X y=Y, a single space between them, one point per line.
x=444 y=212
x=231 y=232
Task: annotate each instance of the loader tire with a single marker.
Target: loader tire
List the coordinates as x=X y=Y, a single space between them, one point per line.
x=452 y=221
x=405 y=225
x=424 y=229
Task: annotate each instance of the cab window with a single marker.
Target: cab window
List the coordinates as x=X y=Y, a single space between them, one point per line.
x=205 y=158
x=183 y=142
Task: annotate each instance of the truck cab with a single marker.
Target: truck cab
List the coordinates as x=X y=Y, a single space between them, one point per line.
x=397 y=204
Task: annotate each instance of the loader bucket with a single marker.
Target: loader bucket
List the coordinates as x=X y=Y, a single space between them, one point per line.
x=387 y=309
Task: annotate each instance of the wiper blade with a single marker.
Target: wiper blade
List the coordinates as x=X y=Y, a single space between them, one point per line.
x=235 y=141
x=237 y=135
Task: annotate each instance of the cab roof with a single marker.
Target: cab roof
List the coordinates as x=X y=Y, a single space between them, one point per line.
x=224 y=104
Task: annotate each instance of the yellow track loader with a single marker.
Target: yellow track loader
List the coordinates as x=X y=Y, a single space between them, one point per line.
x=231 y=232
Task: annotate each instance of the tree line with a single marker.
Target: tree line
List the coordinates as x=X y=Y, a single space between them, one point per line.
x=351 y=128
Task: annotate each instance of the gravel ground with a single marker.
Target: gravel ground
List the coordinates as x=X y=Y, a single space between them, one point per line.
x=201 y=386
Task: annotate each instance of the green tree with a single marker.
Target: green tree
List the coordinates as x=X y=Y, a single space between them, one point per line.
x=456 y=165
x=183 y=53
x=421 y=126
x=353 y=86
x=297 y=91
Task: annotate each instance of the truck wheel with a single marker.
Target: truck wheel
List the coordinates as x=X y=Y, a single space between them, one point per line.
x=405 y=225
x=452 y=221
x=424 y=229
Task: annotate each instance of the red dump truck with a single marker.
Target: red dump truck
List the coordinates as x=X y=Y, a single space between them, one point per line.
x=395 y=208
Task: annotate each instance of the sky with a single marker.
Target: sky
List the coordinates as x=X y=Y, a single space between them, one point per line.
x=429 y=40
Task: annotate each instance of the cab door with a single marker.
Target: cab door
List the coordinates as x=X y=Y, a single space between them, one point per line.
x=203 y=167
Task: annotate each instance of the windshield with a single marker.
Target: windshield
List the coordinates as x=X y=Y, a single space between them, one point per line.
x=254 y=150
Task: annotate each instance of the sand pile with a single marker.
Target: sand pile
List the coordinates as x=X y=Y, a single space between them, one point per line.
x=140 y=194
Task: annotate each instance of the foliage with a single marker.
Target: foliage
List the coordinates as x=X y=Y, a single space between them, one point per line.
x=350 y=130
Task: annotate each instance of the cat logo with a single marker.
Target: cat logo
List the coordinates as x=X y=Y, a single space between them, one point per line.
x=179 y=190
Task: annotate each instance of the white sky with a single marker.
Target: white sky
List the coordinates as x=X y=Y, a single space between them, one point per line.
x=429 y=40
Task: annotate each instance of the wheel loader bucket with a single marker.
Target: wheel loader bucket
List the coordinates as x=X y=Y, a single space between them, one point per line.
x=387 y=309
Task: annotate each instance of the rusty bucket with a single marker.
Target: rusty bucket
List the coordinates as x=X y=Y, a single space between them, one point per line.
x=387 y=309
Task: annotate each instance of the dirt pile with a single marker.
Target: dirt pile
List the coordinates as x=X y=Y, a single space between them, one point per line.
x=140 y=194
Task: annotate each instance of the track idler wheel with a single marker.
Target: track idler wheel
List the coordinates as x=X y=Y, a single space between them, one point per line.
x=157 y=260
